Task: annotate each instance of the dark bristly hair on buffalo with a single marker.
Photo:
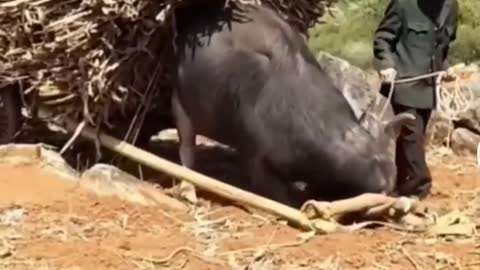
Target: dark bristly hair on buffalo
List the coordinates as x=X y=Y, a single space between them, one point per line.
x=104 y=61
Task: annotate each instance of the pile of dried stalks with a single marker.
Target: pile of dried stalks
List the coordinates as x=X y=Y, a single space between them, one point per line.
x=96 y=58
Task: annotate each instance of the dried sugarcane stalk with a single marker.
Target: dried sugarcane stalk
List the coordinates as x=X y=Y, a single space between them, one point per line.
x=370 y=204
x=93 y=49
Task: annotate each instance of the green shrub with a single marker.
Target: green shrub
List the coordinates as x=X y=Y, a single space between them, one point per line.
x=349 y=34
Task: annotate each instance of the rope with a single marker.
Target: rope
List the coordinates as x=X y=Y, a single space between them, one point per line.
x=448 y=104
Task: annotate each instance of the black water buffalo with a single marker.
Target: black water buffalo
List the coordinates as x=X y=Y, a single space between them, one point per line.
x=248 y=80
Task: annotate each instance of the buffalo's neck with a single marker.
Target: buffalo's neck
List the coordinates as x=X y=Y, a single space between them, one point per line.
x=354 y=150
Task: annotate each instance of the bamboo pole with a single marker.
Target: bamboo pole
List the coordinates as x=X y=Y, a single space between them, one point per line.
x=200 y=180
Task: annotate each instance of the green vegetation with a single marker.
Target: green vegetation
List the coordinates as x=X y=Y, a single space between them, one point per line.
x=349 y=33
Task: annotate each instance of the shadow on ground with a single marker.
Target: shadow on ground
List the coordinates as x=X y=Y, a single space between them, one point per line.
x=218 y=162
x=214 y=161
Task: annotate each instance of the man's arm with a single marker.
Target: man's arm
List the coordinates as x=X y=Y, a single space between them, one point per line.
x=452 y=23
x=386 y=36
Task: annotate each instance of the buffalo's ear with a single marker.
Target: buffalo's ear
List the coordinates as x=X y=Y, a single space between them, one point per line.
x=394 y=126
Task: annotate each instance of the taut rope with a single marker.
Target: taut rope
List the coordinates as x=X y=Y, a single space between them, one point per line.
x=448 y=104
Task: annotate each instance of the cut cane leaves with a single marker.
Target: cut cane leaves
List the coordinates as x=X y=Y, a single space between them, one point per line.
x=453 y=224
x=306 y=236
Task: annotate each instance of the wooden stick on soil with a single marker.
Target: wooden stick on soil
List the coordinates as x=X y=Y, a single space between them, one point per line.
x=205 y=182
x=370 y=204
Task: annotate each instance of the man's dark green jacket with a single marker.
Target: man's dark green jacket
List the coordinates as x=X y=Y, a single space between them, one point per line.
x=414 y=44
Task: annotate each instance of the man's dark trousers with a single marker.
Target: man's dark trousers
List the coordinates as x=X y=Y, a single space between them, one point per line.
x=413 y=174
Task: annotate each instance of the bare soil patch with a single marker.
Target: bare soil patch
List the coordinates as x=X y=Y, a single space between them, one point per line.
x=51 y=223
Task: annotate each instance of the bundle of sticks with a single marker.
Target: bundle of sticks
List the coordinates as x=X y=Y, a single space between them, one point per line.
x=101 y=57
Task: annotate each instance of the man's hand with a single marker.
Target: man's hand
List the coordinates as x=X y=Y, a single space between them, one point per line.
x=388 y=75
x=449 y=75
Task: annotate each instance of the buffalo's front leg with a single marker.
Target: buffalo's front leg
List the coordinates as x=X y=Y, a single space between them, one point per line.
x=266 y=183
x=186 y=135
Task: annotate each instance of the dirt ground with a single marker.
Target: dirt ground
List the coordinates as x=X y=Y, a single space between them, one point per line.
x=50 y=223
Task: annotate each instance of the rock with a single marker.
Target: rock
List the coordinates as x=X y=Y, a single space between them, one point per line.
x=465 y=141
x=471 y=118
x=12 y=217
x=350 y=80
x=103 y=180
x=28 y=154
x=470 y=77
x=20 y=153
x=468 y=115
x=438 y=130
x=56 y=164
x=107 y=180
x=360 y=88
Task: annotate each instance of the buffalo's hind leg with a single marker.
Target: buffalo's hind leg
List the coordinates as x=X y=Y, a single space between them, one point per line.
x=187 y=136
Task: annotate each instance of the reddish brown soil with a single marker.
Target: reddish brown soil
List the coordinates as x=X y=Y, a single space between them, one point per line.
x=64 y=227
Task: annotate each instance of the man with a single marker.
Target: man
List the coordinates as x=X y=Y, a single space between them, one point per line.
x=413 y=39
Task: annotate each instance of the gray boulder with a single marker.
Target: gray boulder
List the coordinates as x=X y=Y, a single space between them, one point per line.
x=101 y=179
x=438 y=129
x=29 y=154
x=360 y=88
x=465 y=141
x=107 y=180
x=471 y=118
